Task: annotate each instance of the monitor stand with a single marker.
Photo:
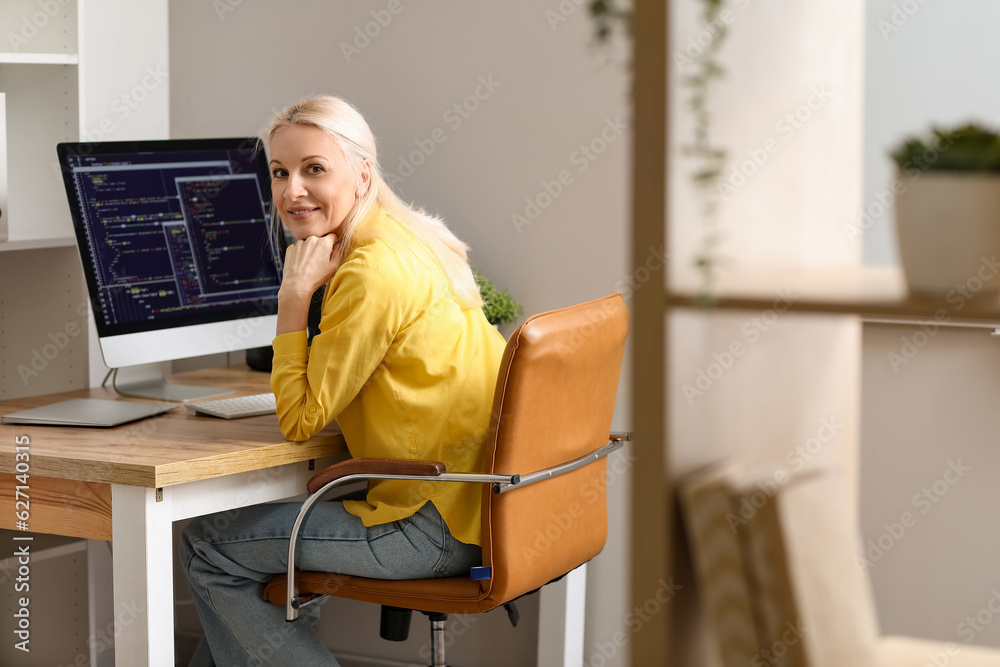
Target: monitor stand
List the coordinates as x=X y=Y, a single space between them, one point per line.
x=157 y=387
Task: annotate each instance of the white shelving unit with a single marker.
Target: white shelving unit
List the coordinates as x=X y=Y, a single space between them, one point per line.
x=42 y=110
x=92 y=70
x=58 y=571
x=70 y=70
x=41 y=285
x=39 y=73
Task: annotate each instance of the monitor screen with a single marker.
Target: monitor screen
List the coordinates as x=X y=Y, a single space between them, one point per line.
x=173 y=236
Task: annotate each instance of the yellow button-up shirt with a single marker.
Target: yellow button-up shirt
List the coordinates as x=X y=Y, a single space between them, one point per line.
x=405 y=370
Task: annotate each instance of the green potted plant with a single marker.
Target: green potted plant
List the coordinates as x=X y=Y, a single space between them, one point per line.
x=498 y=306
x=948 y=210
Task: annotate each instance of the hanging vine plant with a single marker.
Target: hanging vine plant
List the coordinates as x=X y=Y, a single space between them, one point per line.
x=699 y=71
x=608 y=13
x=709 y=158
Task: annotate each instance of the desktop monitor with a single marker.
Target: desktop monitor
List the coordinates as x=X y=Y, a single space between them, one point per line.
x=174 y=241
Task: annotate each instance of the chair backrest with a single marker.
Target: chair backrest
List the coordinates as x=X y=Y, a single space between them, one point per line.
x=554 y=401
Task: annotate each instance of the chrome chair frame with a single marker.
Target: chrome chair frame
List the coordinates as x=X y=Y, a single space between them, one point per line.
x=501 y=484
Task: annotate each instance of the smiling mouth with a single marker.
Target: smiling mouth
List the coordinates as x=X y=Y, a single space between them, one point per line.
x=302 y=211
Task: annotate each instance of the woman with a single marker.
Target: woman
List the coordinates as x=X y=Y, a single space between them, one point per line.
x=405 y=361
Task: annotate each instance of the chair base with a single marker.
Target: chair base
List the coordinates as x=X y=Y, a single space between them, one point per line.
x=438 y=622
x=395 y=627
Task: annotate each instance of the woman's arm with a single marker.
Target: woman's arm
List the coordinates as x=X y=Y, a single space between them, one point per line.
x=360 y=321
x=308 y=264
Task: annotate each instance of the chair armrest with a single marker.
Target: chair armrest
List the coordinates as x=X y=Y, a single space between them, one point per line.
x=374 y=466
x=370 y=468
x=615 y=442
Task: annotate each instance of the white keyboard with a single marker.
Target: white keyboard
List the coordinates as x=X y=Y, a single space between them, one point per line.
x=235 y=408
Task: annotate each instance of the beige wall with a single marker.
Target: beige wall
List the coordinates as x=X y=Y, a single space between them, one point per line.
x=929 y=490
x=552 y=104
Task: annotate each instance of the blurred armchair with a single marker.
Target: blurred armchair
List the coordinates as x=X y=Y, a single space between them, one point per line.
x=781 y=576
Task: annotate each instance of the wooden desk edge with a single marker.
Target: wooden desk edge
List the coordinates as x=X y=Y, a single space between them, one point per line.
x=178 y=472
x=63 y=457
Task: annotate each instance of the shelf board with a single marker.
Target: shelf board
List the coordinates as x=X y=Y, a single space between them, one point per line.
x=7 y=58
x=873 y=292
x=43 y=546
x=35 y=244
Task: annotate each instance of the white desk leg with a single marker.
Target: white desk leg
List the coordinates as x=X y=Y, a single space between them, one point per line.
x=561 y=620
x=143 y=577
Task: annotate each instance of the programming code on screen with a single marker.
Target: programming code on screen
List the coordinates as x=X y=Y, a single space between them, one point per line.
x=178 y=237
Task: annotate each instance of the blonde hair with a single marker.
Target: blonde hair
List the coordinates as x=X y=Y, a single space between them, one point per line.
x=340 y=120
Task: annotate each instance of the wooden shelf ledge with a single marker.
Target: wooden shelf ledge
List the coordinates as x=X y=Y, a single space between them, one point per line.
x=872 y=292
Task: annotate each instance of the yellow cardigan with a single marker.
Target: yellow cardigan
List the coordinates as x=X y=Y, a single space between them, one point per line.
x=405 y=370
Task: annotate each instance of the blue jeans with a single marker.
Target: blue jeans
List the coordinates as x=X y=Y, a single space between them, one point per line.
x=230 y=556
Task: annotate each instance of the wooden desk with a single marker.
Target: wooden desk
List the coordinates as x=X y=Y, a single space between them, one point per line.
x=129 y=484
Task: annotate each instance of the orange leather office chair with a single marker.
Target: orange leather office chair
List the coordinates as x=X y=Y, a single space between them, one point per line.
x=546 y=447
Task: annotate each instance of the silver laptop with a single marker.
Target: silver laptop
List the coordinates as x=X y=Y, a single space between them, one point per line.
x=88 y=412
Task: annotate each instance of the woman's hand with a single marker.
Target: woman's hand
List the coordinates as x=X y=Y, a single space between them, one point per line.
x=309 y=263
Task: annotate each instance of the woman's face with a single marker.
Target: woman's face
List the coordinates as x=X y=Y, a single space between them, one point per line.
x=312 y=185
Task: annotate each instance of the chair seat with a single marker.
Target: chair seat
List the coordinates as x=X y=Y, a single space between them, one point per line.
x=907 y=652
x=448 y=595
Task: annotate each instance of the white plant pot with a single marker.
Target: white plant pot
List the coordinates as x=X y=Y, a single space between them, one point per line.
x=948 y=228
